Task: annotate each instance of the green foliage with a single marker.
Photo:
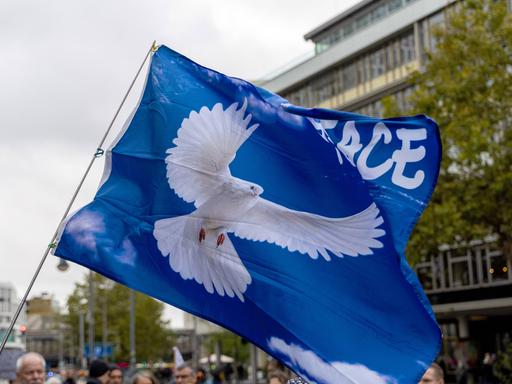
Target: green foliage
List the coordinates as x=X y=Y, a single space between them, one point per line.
x=503 y=366
x=467 y=88
x=152 y=335
x=390 y=107
x=230 y=344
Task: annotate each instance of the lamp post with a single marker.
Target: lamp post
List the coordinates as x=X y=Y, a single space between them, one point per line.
x=63 y=265
x=90 y=316
x=133 y=357
x=81 y=341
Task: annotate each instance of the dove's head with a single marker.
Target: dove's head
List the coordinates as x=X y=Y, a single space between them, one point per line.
x=255 y=189
x=244 y=187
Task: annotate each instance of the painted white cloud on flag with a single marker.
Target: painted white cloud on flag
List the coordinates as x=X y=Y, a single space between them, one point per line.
x=335 y=372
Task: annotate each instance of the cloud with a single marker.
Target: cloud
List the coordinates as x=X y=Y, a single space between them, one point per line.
x=313 y=367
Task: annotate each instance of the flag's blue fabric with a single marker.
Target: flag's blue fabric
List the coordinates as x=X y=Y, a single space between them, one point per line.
x=283 y=224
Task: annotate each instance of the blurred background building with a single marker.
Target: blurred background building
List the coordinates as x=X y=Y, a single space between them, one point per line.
x=15 y=345
x=47 y=333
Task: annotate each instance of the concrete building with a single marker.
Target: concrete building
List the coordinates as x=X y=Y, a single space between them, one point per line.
x=47 y=334
x=9 y=302
x=15 y=345
x=362 y=55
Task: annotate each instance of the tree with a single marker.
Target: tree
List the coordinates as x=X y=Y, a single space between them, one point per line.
x=152 y=335
x=503 y=366
x=230 y=344
x=467 y=88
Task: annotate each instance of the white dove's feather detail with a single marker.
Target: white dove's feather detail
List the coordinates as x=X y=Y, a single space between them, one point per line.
x=312 y=234
x=217 y=268
x=207 y=142
x=197 y=244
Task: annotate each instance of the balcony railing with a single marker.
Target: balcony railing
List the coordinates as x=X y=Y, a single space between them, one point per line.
x=478 y=265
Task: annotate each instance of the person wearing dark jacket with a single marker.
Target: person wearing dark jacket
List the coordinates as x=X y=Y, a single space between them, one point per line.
x=98 y=372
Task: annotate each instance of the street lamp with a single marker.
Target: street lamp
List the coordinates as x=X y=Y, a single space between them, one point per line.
x=63 y=265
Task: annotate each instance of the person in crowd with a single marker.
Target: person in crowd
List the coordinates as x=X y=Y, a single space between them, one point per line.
x=201 y=377
x=54 y=380
x=144 y=377
x=277 y=377
x=297 y=380
x=487 y=375
x=68 y=376
x=185 y=375
x=115 y=375
x=433 y=375
x=98 y=372
x=30 y=369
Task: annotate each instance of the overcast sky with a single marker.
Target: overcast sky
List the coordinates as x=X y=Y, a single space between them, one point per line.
x=64 y=68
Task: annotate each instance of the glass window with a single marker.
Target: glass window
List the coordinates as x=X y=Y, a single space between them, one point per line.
x=460 y=274
x=425 y=277
x=298 y=97
x=377 y=109
x=407 y=48
x=379 y=12
x=349 y=76
x=499 y=268
x=11 y=335
x=378 y=63
x=435 y=21
x=348 y=29
x=362 y=21
x=361 y=71
x=323 y=88
x=393 y=5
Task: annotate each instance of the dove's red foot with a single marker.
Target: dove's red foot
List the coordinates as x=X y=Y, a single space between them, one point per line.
x=220 y=239
x=202 y=234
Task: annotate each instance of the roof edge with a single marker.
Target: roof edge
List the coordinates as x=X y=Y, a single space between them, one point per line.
x=343 y=15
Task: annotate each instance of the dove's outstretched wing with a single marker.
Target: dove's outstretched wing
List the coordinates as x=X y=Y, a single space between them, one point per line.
x=312 y=234
x=197 y=169
x=205 y=146
x=218 y=269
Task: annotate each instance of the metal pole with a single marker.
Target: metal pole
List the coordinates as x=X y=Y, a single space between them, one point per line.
x=52 y=244
x=195 y=347
x=81 y=341
x=217 y=353
x=90 y=316
x=61 y=350
x=254 y=363
x=104 y=332
x=133 y=358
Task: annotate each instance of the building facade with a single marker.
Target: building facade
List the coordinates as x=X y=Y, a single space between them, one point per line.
x=9 y=302
x=15 y=345
x=47 y=334
x=362 y=55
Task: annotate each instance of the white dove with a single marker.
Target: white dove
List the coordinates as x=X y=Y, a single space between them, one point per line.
x=197 y=245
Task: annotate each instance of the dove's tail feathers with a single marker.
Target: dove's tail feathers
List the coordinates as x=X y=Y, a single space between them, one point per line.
x=218 y=269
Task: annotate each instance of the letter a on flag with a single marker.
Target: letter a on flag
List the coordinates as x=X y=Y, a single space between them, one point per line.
x=284 y=224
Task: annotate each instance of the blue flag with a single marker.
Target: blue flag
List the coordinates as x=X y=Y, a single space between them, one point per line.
x=283 y=224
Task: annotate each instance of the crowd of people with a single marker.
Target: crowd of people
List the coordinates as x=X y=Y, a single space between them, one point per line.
x=31 y=369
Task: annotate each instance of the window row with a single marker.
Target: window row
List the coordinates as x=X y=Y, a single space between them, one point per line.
x=373 y=14
x=461 y=268
x=393 y=54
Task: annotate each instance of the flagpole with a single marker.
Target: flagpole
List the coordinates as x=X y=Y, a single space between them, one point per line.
x=99 y=152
